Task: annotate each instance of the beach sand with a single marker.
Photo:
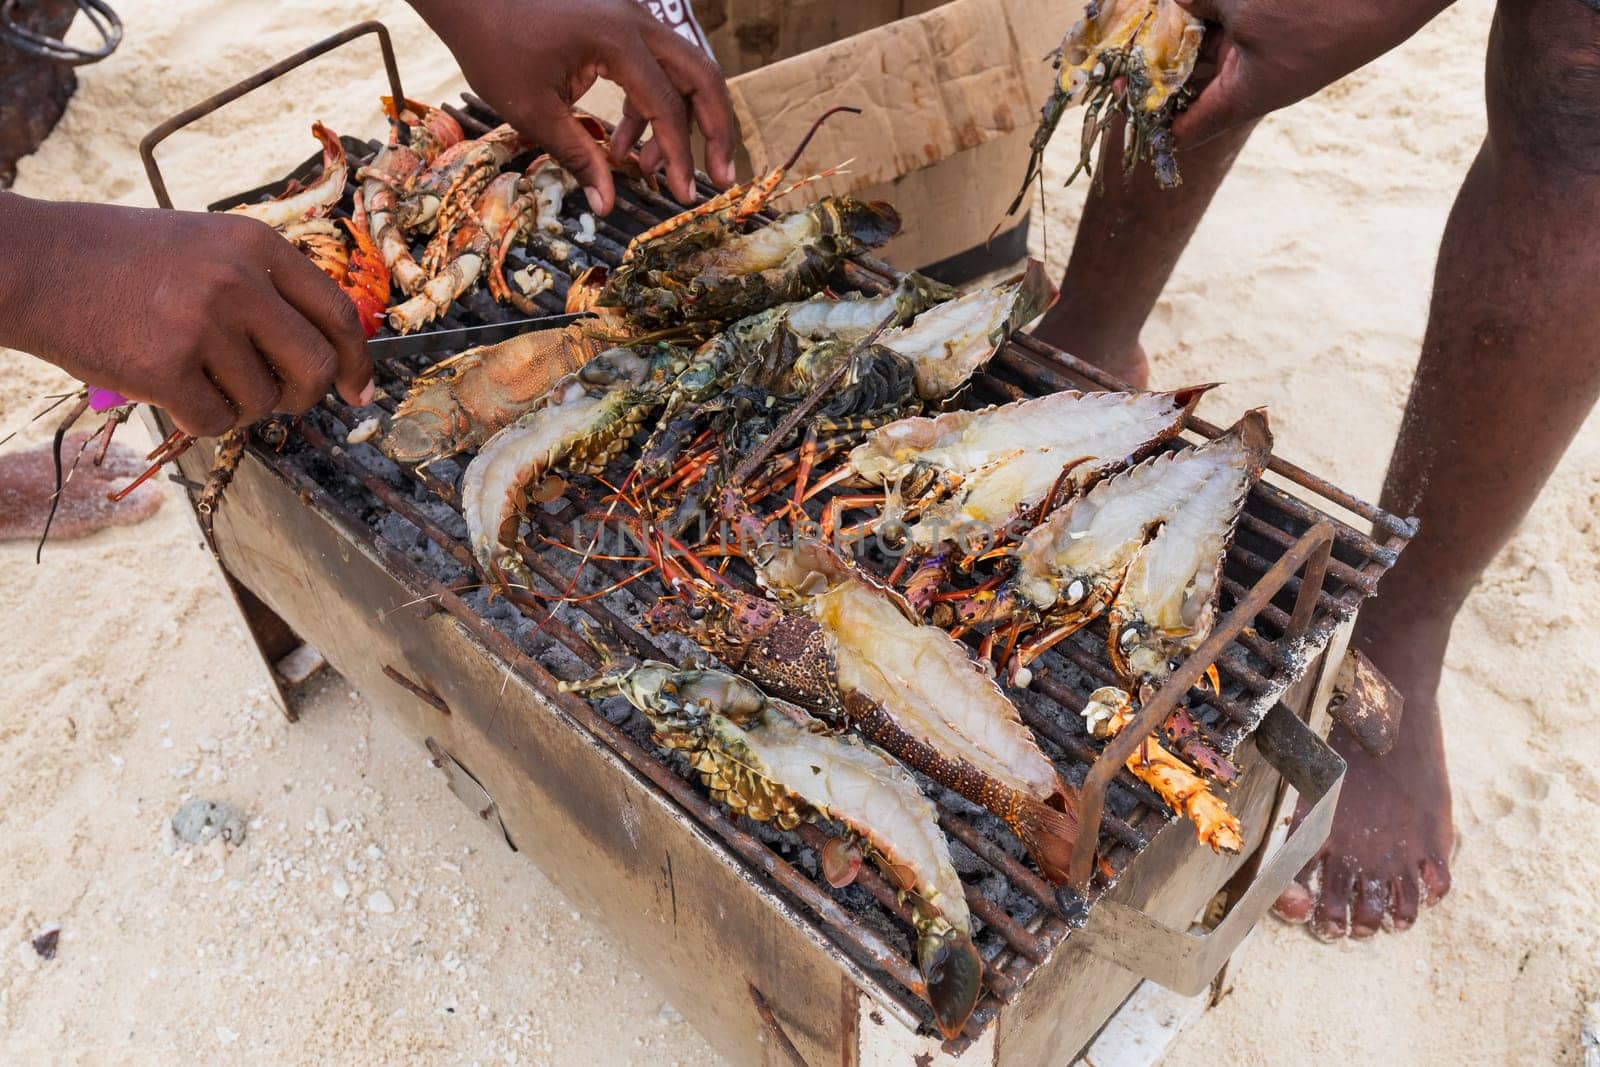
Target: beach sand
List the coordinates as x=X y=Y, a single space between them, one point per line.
x=367 y=917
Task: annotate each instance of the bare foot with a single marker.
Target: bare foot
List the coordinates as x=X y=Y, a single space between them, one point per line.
x=1387 y=855
x=28 y=481
x=1124 y=359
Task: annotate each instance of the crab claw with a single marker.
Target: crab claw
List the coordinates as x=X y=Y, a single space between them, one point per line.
x=841 y=862
x=1214 y=678
x=953 y=971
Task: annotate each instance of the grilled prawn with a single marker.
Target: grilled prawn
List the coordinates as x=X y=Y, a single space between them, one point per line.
x=583 y=422
x=775 y=764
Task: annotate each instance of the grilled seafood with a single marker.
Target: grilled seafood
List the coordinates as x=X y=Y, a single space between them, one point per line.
x=1072 y=567
x=1167 y=602
x=940 y=712
x=742 y=375
x=775 y=764
x=949 y=342
x=513 y=209
x=355 y=266
x=447 y=192
x=1107 y=712
x=582 y=423
x=388 y=181
x=508 y=208
x=365 y=277
x=791 y=655
x=459 y=403
x=783 y=353
x=711 y=221
x=988 y=467
x=694 y=277
x=1128 y=57
x=848 y=319
x=312 y=201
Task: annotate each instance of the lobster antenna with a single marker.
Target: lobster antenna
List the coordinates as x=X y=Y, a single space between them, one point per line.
x=815 y=126
x=55 y=451
x=55 y=402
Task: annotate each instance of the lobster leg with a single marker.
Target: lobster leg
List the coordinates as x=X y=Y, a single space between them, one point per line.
x=175 y=445
x=1039 y=646
x=808 y=459
x=841 y=504
x=837 y=477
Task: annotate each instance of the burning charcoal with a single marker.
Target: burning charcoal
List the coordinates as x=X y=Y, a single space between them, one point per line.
x=47 y=940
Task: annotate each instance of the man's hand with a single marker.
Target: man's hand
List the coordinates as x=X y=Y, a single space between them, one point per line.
x=1271 y=53
x=215 y=318
x=532 y=59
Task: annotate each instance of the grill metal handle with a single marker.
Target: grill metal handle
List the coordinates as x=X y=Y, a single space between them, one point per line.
x=1310 y=552
x=1186 y=962
x=147 y=147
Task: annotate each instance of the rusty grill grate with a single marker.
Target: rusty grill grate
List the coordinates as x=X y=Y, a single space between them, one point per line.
x=409 y=521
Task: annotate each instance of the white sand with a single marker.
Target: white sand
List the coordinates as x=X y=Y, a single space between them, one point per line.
x=129 y=686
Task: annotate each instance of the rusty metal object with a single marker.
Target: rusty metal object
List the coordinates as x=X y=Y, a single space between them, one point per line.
x=147 y=147
x=34 y=90
x=1366 y=704
x=27 y=36
x=1312 y=547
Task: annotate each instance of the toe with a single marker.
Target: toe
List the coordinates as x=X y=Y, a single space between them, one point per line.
x=1372 y=900
x=1435 y=881
x=1331 y=919
x=1403 y=902
x=1294 y=904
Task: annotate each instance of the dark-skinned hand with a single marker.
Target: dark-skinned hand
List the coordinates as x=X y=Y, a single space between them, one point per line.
x=532 y=59
x=1269 y=54
x=215 y=318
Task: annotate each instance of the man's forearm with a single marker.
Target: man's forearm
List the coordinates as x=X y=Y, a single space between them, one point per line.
x=30 y=235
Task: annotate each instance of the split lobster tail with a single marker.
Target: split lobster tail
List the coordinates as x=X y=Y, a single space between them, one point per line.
x=1048 y=834
x=953 y=971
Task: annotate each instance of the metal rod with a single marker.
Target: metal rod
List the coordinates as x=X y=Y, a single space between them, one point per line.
x=1313 y=543
x=147 y=147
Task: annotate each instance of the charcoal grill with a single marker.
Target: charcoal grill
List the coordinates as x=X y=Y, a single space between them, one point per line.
x=733 y=921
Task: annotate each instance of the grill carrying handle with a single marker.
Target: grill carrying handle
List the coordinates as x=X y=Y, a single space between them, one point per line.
x=147 y=147
x=1185 y=962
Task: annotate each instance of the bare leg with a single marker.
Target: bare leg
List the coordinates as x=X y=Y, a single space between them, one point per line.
x=1131 y=236
x=1507 y=375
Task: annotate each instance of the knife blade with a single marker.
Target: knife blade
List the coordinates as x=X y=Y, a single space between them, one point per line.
x=465 y=337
